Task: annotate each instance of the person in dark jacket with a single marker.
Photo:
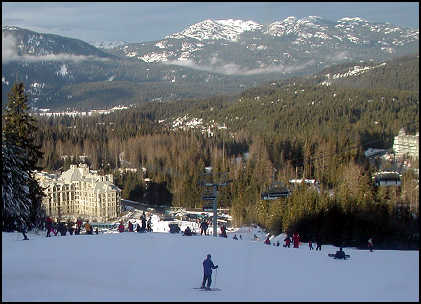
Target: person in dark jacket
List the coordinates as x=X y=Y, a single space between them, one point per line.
x=203 y=227
x=138 y=229
x=187 y=231
x=149 y=224
x=340 y=254
x=143 y=223
x=207 y=272
x=287 y=242
x=130 y=227
x=23 y=230
x=319 y=244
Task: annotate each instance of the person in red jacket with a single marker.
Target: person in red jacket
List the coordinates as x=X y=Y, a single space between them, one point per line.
x=267 y=241
x=121 y=227
x=49 y=226
x=296 y=240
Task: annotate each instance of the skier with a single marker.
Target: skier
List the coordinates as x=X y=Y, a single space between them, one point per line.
x=207 y=272
x=370 y=244
x=287 y=242
x=79 y=225
x=70 y=227
x=319 y=244
x=296 y=239
x=121 y=227
x=203 y=227
x=49 y=225
x=23 y=230
x=310 y=244
x=130 y=227
x=149 y=225
x=241 y=237
x=235 y=237
x=223 y=231
x=143 y=222
x=267 y=241
x=88 y=228
x=277 y=243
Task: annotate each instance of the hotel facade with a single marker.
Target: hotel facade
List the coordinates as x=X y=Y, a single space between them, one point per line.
x=80 y=193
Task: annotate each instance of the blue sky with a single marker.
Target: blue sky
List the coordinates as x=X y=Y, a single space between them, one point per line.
x=147 y=21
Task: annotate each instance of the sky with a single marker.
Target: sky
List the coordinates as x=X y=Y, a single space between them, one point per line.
x=159 y=266
x=149 y=21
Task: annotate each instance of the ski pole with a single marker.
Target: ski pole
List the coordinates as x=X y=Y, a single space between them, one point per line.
x=216 y=273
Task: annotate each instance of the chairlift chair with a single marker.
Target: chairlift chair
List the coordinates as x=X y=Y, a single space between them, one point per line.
x=276 y=190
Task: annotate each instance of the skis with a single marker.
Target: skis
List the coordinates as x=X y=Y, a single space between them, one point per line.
x=207 y=289
x=332 y=255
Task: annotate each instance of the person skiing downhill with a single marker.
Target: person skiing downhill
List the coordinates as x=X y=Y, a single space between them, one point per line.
x=207 y=272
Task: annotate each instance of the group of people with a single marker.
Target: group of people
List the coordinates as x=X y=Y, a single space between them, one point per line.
x=146 y=225
x=63 y=228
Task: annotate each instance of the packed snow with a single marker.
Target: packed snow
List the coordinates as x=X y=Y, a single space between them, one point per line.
x=163 y=266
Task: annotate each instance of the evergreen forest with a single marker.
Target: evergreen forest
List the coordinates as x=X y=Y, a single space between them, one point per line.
x=276 y=132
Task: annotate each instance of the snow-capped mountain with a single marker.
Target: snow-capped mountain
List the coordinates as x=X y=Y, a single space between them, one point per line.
x=282 y=46
x=107 y=44
x=209 y=57
x=217 y=29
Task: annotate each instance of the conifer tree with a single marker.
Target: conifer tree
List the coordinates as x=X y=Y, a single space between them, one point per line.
x=14 y=189
x=20 y=128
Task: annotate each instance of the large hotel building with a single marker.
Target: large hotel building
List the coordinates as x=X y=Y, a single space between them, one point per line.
x=79 y=192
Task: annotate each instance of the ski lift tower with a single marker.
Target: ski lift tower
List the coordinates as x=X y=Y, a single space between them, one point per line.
x=211 y=193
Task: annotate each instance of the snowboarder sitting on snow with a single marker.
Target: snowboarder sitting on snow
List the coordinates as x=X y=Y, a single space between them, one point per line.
x=340 y=254
x=138 y=227
x=187 y=231
x=207 y=271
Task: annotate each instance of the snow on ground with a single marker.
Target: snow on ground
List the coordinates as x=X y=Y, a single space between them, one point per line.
x=160 y=266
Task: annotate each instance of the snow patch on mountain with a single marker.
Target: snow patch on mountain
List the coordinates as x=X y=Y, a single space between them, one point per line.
x=209 y=29
x=62 y=71
x=353 y=71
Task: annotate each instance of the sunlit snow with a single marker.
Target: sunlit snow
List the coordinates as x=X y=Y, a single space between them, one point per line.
x=160 y=266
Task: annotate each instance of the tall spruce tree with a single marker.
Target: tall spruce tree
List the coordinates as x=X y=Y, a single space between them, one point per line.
x=20 y=128
x=14 y=189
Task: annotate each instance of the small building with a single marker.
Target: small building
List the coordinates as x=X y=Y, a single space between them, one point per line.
x=406 y=145
x=387 y=178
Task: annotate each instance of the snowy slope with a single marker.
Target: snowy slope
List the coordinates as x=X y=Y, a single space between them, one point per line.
x=160 y=266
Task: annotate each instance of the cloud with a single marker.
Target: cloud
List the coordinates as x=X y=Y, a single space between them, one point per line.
x=217 y=66
x=339 y=56
x=9 y=52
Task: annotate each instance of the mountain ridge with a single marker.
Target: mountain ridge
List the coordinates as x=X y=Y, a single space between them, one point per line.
x=235 y=55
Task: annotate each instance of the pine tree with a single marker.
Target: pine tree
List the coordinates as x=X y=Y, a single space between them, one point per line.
x=14 y=189
x=20 y=128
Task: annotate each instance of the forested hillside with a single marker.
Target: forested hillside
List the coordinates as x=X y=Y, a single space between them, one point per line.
x=297 y=128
